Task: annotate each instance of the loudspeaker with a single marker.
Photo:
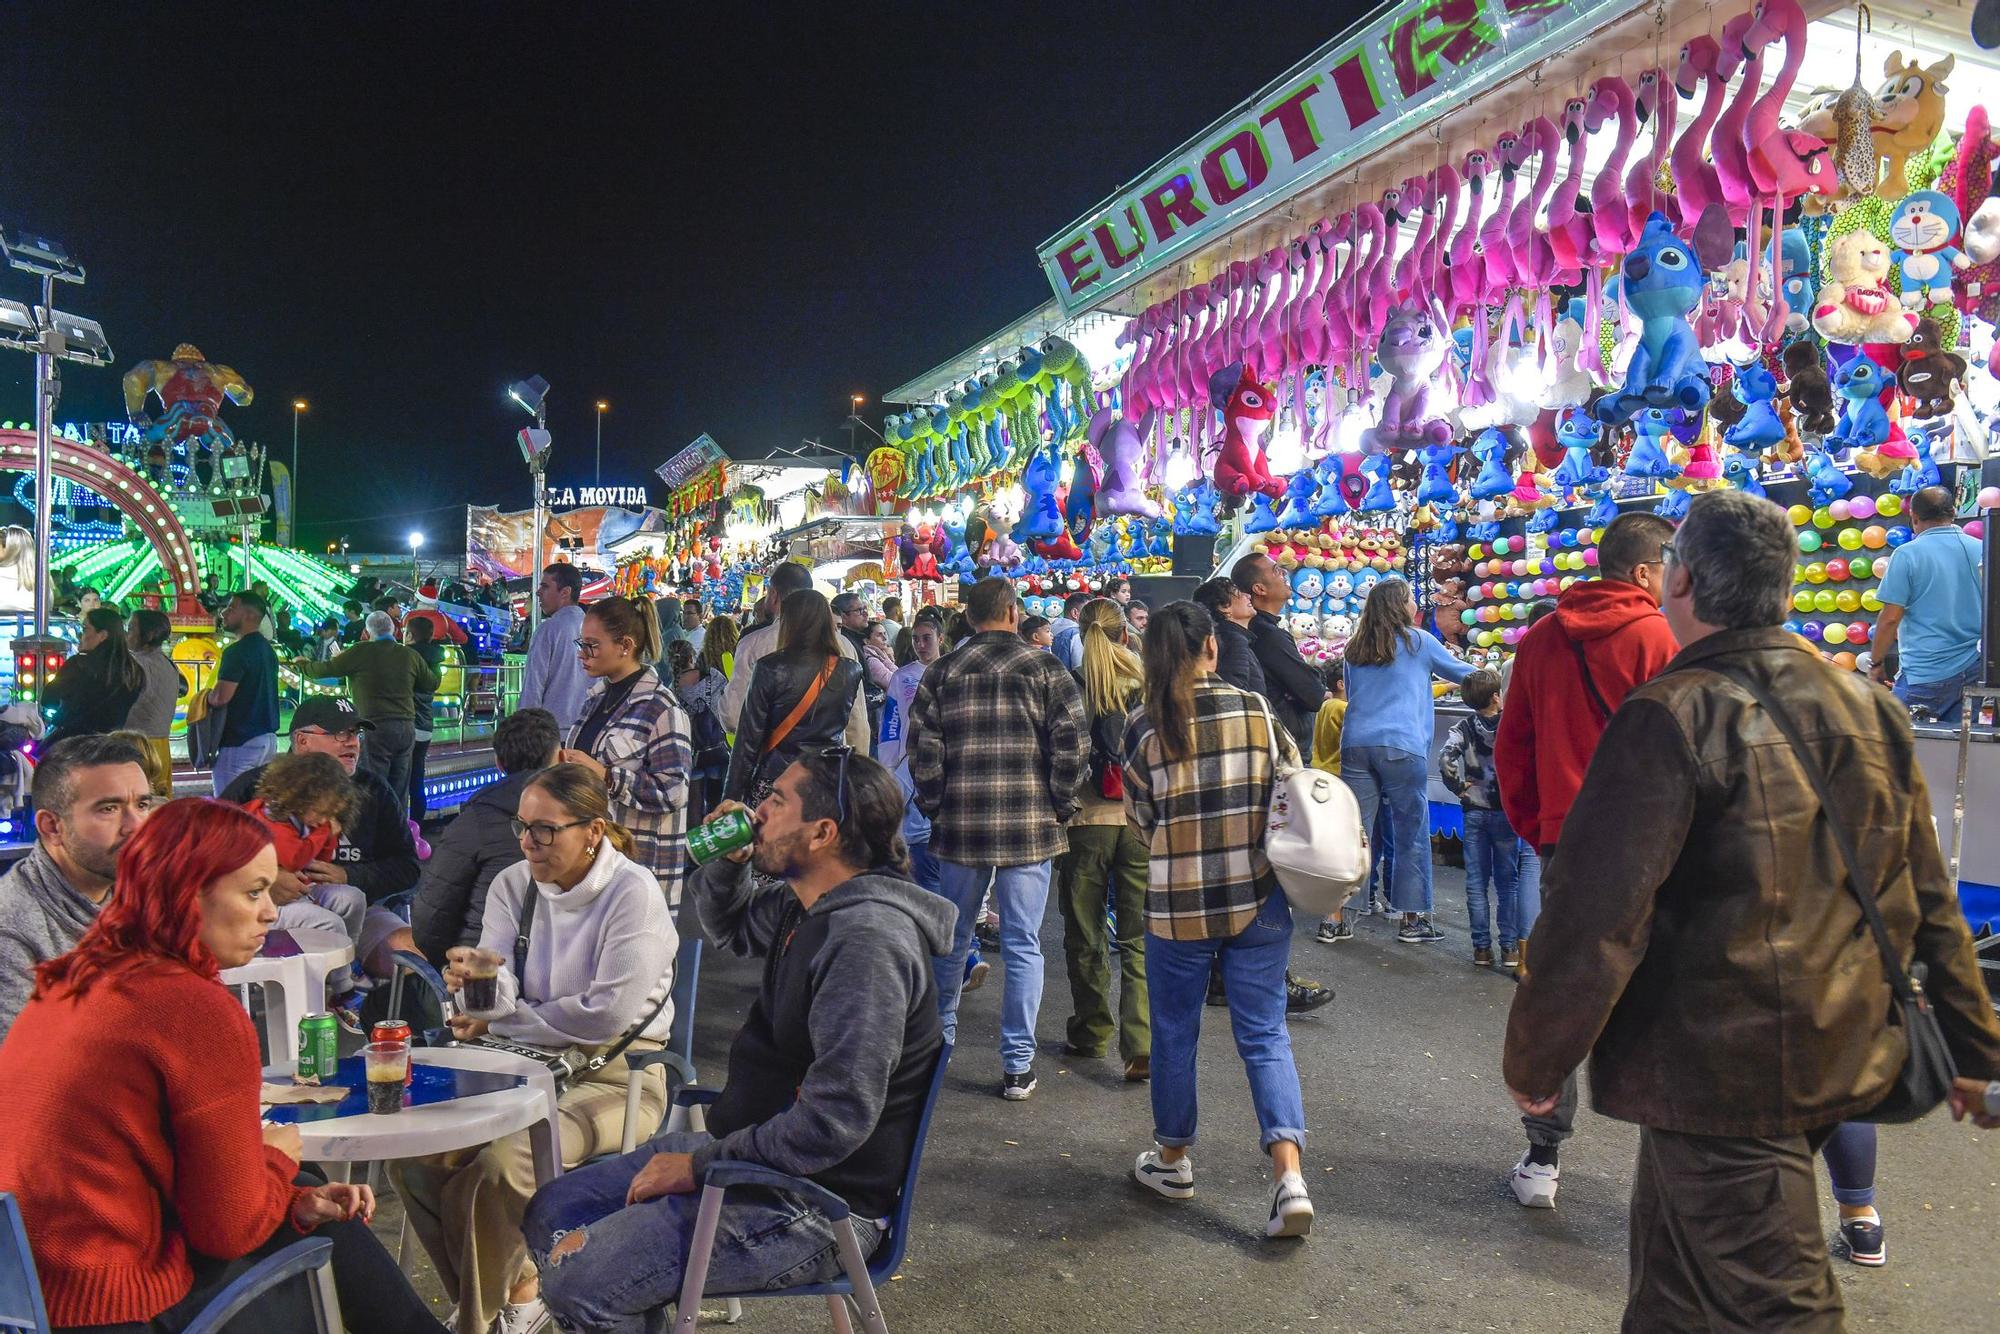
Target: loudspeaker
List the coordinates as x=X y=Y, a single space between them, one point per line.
x=1157 y=590
x=1194 y=555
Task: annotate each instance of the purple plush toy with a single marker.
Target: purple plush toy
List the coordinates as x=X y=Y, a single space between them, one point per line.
x=1121 y=446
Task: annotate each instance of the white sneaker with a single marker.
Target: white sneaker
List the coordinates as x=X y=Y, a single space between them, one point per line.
x=1534 y=1184
x=522 y=1317
x=1291 y=1209
x=1173 y=1180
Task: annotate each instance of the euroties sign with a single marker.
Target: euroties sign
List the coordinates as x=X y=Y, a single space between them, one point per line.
x=570 y=497
x=1331 y=110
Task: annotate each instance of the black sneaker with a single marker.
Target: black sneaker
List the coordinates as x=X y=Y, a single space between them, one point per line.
x=1302 y=996
x=1864 y=1241
x=1419 y=932
x=1332 y=933
x=1018 y=1086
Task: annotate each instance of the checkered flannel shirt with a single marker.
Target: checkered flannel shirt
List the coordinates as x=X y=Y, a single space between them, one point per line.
x=647 y=748
x=998 y=748
x=1203 y=818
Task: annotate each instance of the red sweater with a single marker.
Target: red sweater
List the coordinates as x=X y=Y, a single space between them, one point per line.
x=1550 y=725
x=129 y=1131
x=296 y=850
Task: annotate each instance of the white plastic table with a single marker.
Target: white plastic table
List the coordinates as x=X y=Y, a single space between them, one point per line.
x=293 y=986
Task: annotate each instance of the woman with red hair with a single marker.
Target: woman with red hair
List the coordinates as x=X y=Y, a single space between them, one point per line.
x=129 y=1131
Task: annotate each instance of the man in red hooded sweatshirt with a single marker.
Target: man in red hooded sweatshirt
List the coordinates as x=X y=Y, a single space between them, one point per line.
x=1570 y=672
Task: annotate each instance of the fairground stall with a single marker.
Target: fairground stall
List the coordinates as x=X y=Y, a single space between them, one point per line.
x=1477 y=275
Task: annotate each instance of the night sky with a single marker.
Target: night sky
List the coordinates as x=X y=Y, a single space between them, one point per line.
x=715 y=218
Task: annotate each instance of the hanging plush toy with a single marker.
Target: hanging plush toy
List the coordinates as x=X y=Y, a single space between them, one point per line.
x=1828 y=482
x=1759 y=428
x=1663 y=281
x=1247 y=408
x=1195 y=510
x=1801 y=286
x=1920 y=474
x=1648 y=458
x=1924 y=228
x=1080 y=505
x=1436 y=487
x=1865 y=424
x=1263 y=518
x=1740 y=471
x=1493 y=481
x=1578 y=433
x=1041 y=518
x=1299 y=492
x=1122 y=447
x=1380 y=498
x=1808 y=388
x=1411 y=350
x=1855 y=304
x=1928 y=371
x=1911 y=106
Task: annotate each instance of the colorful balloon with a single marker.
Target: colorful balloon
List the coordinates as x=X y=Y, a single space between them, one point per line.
x=1822 y=517
x=1840 y=511
x=1861 y=507
x=1799 y=515
x=1801 y=601
x=1847 y=600
x=1889 y=506
x=1809 y=541
x=1849 y=539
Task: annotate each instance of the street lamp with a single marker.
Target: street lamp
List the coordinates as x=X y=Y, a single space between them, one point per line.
x=416 y=545
x=292 y=501
x=602 y=408
x=532 y=395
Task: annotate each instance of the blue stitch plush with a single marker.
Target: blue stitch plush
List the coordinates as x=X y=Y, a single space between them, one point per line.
x=1663 y=282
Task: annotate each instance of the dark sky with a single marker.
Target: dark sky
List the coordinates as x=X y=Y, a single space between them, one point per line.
x=717 y=217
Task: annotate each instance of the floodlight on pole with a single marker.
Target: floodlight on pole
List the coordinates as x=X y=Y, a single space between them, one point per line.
x=602 y=408
x=416 y=545
x=532 y=395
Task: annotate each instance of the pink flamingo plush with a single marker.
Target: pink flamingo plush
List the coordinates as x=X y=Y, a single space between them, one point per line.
x=1609 y=222
x=1493 y=232
x=1775 y=164
x=1268 y=280
x=1416 y=203
x=1378 y=285
x=1569 y=230
x=1534 y=254
x=1653 y=101
x=1444 y=188
x=1466 y=266
x=1298 y=327
x=1732 y=160
x=1694 y=178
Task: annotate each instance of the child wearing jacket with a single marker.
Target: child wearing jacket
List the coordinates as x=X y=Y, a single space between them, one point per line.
x=1492 y=851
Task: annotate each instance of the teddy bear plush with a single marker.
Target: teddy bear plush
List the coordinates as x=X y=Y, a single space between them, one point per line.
x=1808 y=388
x=1855 y=304
x=1928 y=371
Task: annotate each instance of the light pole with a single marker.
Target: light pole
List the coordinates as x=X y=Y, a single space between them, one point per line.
x=292 y=499
x=853 y=420
x=416 y=545
x=532 y=396
x=602 y=408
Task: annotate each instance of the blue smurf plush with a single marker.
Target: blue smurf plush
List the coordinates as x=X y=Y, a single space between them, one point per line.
x=1663 y=282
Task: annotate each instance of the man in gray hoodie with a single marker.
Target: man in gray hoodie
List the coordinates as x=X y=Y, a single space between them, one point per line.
x=827 y=1079
x=90 y=794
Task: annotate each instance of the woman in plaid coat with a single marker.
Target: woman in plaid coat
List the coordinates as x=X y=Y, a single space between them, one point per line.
x=1200 y=764
x=635 y=735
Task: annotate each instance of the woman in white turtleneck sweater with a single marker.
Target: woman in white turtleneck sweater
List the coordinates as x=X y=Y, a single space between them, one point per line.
x=600 y=960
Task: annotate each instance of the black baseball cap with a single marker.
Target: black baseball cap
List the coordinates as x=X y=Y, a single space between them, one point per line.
x=329 y=713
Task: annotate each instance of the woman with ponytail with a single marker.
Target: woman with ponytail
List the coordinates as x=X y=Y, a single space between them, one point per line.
x=635 y=737
x=598 y=970
x=1105 y=856
x=1200 y=767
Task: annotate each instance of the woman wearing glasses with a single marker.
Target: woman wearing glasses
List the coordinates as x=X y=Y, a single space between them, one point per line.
x=634 y=736
x=799 y=699
x=597 y=970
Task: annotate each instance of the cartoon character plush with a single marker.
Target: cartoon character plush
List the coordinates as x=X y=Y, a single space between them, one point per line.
x=1864 y=424
x=1299 y=492
x=1920 y=474
x=1801 y=286
x=1924 y=227
x=1604 y=511
x=1855 y=304
x=1122 y=447
x=1247 y=409
x=1578 y=433
x=1827 y=482
x=1339 y=587
x=1195 y=510
x=1759 y=428
x=1648 y=458
x=1808 y=388
x=1910 y=112
x=1410 y=350
x=1740 y=471
x=1663 y=281
x=1307 y=585
x=1928 y=371
x=1041 y=517
x=1436 y=485
x=1493 y=481
x=1379 y=498
x=1263 y=518
x=1673 y=506
x=1330 y=502
x=1080 y=504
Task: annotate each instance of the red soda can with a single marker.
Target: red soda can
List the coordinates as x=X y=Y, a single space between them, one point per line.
x=394 y=1030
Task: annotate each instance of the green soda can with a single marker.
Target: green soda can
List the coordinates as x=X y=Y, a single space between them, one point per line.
x=720 y=837
x=319 y=1048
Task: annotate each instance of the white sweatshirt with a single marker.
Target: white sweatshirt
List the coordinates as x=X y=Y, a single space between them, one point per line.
x=599 y=956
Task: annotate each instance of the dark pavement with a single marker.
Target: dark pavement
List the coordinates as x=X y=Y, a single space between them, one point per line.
x=1027 y=1218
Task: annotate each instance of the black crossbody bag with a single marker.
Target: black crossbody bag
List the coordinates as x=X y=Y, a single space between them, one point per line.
x=572 y=1065
x=1928 y=1071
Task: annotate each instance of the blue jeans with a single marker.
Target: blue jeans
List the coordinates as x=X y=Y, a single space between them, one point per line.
x=631 y=1262
x=1942 y=698
x=1530 y=888
x=1021 y=897
x=231 y=762
x=1492 y=858
x=1253 y=974
x=924 y=870
x=1850 y=1162
x=1383 y=776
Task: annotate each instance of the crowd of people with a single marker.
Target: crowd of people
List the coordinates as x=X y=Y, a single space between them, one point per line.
x=1705 y=855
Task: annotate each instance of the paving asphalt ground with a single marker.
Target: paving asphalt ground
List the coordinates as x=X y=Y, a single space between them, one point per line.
x=1027 y=1218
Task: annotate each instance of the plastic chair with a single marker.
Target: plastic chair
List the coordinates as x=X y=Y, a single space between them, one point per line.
x=687 y=978
x=417 y=966
x=863 y=1275
x=22 y=1310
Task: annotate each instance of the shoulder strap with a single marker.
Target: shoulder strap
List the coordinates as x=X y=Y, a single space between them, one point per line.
x=799 y=710
x=1583 y=670
x=1843 y=839
x=523 y=928
x=1281 y=741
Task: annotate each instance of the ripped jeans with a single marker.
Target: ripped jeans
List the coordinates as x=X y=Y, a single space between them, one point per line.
x=629 y=1267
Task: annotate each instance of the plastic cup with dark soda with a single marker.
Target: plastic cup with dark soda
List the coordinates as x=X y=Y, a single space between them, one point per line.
x=387 y=1065
x=482 y=982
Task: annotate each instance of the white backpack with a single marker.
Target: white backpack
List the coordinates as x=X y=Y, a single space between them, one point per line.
x=1314 y=839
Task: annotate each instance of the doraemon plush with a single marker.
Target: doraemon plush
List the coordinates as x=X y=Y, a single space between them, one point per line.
x=1924 y=226
x=1307 y=585
x=1663 y=281
x=1864 y=424
x=1366 y=583
x=1339 y=587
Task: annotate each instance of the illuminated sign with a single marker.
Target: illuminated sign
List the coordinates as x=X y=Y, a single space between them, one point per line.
x=569 y=497
x=1348 y=99
x=702 y=452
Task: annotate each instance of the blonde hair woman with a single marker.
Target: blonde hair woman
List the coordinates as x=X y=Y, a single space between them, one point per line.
x=598 y=967
x=1105 y=856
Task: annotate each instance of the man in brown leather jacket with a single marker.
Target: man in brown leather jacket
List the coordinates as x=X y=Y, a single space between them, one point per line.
x=1700 y=945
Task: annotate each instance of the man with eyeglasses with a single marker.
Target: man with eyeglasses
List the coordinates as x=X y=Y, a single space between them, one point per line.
x=375 y=858
x=1571 y=671
x=827 y=1077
